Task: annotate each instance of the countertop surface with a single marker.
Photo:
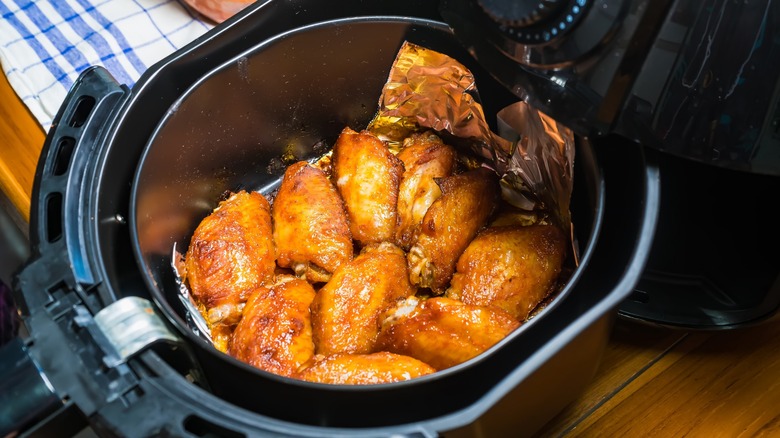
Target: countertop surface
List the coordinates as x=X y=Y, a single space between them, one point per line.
x=652 y=381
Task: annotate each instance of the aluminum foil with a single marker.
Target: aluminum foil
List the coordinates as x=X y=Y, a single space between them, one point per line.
x=532 y=153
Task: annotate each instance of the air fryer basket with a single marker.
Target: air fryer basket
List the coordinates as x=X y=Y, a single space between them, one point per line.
x=227 y=119
x=293 y=94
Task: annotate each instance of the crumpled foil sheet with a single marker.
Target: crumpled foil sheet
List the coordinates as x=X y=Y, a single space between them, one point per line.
x=532 y=153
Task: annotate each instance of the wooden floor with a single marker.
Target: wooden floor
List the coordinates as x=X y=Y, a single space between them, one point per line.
x=652 y=381
x=671 y=383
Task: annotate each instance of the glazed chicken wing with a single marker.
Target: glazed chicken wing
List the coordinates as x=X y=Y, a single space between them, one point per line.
x=311 y=231
x=275 y=332
x=367 y=175
x=511 y=267
x=364 y=369
x=425 y=158
x=443 y=332
x=230 y=254
x=346 y=311
x=450 y=223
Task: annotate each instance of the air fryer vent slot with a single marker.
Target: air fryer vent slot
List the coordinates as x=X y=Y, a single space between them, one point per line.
x=64 y=152
x=54 y=217
x=83 y=108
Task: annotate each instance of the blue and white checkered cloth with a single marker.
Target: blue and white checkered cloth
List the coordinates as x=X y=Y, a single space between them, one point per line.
x=45 y=44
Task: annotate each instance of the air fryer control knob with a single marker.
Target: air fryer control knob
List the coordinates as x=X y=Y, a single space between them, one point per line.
x=521 y=12
x=532 y=21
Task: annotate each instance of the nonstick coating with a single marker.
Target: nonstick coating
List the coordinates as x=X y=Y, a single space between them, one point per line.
x=229 y=130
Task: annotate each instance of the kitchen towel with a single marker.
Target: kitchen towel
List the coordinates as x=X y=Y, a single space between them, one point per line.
x=46 y=44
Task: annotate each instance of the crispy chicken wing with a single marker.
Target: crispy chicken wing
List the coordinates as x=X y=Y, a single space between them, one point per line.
x=425 y=158
x=364 y=369
x=275 y=332
x=450 y=223
x=230 y=254
x=511 y=267
x=346 y=311
x=443 y=332
x=311 y=231
x=367 y=175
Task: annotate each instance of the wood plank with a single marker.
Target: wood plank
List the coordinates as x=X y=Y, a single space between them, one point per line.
x=632 y=349
x=710 y=384
x=21 y=140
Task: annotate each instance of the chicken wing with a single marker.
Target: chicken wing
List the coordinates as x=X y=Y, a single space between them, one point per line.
x=425 y=158
x=230 y=254
x=364 y=369
x=275 y=333
x=311 y=230
x=450 y=223
x=511 y=267
x=367 y=175
x=346 y=311
x=443 y=332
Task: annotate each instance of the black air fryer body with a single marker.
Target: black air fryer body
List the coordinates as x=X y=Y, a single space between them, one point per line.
x=699 y=81
x=126 y=173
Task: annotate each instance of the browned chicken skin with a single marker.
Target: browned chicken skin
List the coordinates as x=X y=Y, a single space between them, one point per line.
x=275 y=332
x=450 y=223
x=425 y=158
x=367 y=175
x=419 y=224
x=443 y=332
x=364 y=369
x=346 y=311
x=511 y=267
x=311 y=231
x=230 y=254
